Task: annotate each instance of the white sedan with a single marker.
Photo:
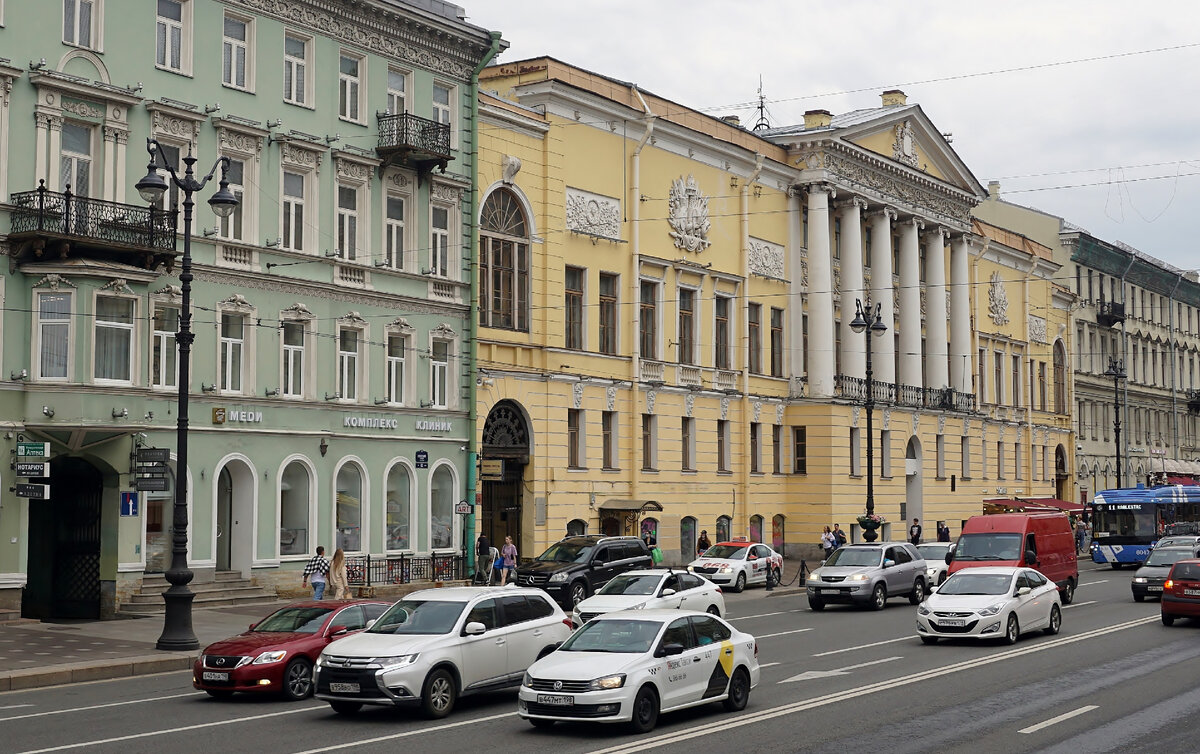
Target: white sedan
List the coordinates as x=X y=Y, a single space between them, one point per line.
x=935 y=561
x=650 y=589
x=738 y=563
x=990 y=603
x=629 y=667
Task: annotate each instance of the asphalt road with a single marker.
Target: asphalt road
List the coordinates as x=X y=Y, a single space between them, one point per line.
x=1115 y=679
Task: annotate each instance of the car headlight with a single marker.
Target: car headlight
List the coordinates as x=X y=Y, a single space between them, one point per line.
x=269 y=657
x=858 y=577
x=691 y=569
x=922 y=610
x=558 y=578
x=726 y=569
x=1139 y=580
x=992 y=609
x=395 y=661
x=527 y=681
x=814 y=578
x=607 y=682
x=638 y=606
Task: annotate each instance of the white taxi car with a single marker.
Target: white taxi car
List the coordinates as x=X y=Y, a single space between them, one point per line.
x=629 y=667
x=737 y=564
x=652 y=588
x=998 y=602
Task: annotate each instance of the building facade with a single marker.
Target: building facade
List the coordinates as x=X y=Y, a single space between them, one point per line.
x=330 y=385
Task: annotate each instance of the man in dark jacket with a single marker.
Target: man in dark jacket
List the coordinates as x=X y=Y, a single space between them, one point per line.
x=914 y=532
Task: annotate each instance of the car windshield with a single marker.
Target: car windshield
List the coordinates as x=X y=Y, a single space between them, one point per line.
x=644 y=583
x=1168 y=556
x=619 y=636
x=854 y=556
x=1175 y=541
x=990 y=546
x=934 y=552
x=966 y=582
x=1186 y=571
x=296 y=620
x=727 y=552
x=567 y=552
x=419 y=617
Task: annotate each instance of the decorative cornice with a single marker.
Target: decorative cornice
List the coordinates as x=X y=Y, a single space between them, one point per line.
x=325 y=292
x=400 y=325
x=54 y=281
x=353 y=318
x=297 y=310
x=353 y=167
x=237 y=302
x=117 y=285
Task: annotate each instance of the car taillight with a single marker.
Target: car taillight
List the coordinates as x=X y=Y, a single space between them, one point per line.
x=756 y=650
x=567 y=622
x=1169 y=584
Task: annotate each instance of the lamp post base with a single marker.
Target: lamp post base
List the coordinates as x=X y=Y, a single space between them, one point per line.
x=177 y=635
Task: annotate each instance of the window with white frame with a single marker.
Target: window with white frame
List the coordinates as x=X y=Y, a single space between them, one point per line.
x=351 y=71
x=54 y=335
x=755 y=448
x=164 y=353
x=113 y=356
x=295 y=499
x=293 y=359
x=443 y=109
x=397 y=92
x=393 y=231
x=237 y=50
x=649 y=442
x=347 y=221
x=855 y=451
x=609 y=438
x=295 y=187
x=397 y=358
x=685 y=334
x=573 y=307
x=173 y=35
x=687 y=444
x=721 y=334
x=439 y=241
x=398 y=508
x=439 y=373
x=777 y=449
x=232 y=227
x=75 y=159
x=723 y=445
x=80 y=21
x=349 y=343
x=295 y=68
x=233 y=351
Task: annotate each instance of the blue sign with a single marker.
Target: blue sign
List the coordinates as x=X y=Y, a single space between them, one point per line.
x=129 y=504
x=422 y=459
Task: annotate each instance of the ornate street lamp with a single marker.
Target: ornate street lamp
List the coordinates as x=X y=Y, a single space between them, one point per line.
x=177 y=623
x=873 y=329
x=1116 y=370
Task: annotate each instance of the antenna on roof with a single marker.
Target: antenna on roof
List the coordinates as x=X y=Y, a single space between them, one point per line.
x=762 y=122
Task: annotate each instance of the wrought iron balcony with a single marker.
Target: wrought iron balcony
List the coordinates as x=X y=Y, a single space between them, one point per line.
x=1110 y=313
x=50 y=224
x=1193 y=401
x=418 y=142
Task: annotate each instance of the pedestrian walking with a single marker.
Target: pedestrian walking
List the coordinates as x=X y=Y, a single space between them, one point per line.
x=339 y=582
x=828 y=543
x=483 y=561
x=943 y=532
x=315 y=571
x=839 y=536
x=914 y=532
x=702 y=544
x=509 y=554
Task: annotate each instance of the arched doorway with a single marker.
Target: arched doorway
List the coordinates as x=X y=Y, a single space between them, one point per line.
x=1062 y=476
x=914 y=485
x=64 y=544
x=505 y=453
x=235 y=491
x=687 y=540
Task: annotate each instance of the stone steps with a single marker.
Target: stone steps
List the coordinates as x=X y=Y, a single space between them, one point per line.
x=227 y=590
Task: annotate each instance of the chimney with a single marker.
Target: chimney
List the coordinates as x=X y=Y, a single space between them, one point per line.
x=733 y=120
x=894 y=97
x=817 y=119
x=994 y=189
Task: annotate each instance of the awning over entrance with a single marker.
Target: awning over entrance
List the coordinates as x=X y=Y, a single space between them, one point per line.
x=1052 y=502
x=620 y=504
x=1180 y=480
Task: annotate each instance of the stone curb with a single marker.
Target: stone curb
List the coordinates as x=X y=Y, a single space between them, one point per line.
x=79 y=672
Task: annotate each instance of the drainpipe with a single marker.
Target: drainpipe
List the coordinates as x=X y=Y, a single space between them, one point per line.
x=1029 y=462
x=744 y=272
x=1124 y=407
x=472 y=320
x=635 y=271
x=1174 y=368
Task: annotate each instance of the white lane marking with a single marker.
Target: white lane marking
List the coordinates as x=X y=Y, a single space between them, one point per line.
x=811 y=674
x=843 y=696
x=764 y=615
x=15 y=706
x=863 y=646
x=1093 y=583
x=94 y=706
x=165 y=731
x=768 y=664
x=783 y=633
x=1059 y=719
x=1078 y=604
x=406 y=734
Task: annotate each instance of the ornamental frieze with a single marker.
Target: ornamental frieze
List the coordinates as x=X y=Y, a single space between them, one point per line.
x=593 y=214
x=352 y=169
x=766 y=259
x=298 y=156
x=446 y=192
x=1037 y=329
x=688 y=215
x=239 y=142
x=165 y=124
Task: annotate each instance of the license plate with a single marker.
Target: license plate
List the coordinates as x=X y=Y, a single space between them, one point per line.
x=830 y=591
x=208 y=675
x=951 y=622
x=1192 y=592
x=344 y=688
x=1154 y=589
x=557 y=700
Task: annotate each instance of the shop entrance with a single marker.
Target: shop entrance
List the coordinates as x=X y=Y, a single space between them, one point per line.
x=64 y=544
x=505 y=454
x=235 y=517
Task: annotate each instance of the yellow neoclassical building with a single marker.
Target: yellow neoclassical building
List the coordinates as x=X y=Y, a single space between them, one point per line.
x=665 y=307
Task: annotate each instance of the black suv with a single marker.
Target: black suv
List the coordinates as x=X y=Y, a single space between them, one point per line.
x=574 y=568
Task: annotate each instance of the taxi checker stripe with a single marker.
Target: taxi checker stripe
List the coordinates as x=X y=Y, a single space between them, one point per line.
x=841 y=696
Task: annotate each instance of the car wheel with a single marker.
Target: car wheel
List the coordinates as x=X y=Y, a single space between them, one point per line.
x=1068 y=592
x=298 y=680
x=645 y=710
x=1013 y=631
x=1139 y=598
x=1055 y=621
x=1167 y=620
x=740 y=583
x=437 y=698
x=929 y=639
x=879 y=597
x=918 y=592
x=218 y=693
x=816 y=605
x=739 y=691
x=346 y=708
x=713 y=610
x=579 y=593
x=541 y=723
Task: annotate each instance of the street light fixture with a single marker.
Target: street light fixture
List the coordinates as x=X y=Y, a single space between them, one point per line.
x=177 y=622
x=874 y=329
x=1116 y=370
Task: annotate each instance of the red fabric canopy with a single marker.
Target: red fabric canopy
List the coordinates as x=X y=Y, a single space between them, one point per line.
x=1052 y=502
x=1180 y=480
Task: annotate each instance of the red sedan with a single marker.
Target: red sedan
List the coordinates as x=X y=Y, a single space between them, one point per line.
x=277 y=653
x=1181 y=592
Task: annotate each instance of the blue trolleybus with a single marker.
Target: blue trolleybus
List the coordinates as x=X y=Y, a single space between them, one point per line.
x=1127 y=522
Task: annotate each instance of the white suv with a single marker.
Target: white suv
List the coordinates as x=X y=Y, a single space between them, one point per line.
x=438 y=644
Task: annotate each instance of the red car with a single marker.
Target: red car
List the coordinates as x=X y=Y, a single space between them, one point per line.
x=1181 y=592
x=277 y=653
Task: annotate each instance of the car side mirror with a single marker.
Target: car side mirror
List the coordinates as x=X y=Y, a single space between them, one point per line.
x=949 y=557
x=1030 y=557
x=888 y=562
x=1023 y=590
x=338 y=630
x=669 y=650
x=474 y=628
x=668 y=592
x=252 y=625
x=369 y=624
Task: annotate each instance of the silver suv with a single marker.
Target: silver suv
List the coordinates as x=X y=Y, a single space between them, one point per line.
x=867 y=574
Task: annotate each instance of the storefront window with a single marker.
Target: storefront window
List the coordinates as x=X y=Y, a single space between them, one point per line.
x=756 y=524
x=441 y=509
x=349 y=508
x=398 y=488
x=294 y=498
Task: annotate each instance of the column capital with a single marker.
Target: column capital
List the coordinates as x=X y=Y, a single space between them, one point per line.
x=915 y=221
x=850 y=202
x=885 y=210
x=936 y=230
x=821 y=186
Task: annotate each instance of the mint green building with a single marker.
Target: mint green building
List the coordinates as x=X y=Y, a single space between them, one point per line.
x=331 y=379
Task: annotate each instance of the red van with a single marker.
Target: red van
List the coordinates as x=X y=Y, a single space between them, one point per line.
x=1043 y=541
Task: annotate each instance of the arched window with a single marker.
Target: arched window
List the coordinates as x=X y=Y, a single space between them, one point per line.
x=756 y=523
x=687 y=539
x=724 y=524
x=649 y=528
x=777 y=533
x=576 y=527
x=1060 y=378
x=295 y=496
x=398 y=507
x=441 y=509
x=503 y=262
x=349 y=508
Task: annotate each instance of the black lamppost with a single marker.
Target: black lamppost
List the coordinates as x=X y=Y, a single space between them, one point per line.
x=177 y=623
x=1116 y=370
x=873 y=329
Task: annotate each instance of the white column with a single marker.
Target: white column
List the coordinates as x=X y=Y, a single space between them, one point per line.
x=883 y=348
x=53 y=157
x=41 y=145
x=820 y=355
x=795 y=332
x=910 y=304
x=960 y=316
x=110 y=163
x=854 y=347
x=935 y=308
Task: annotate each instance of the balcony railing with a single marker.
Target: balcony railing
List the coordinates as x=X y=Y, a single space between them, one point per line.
x=1110 y=313
x=92 y=223
x=690 y=376
x=410 y=138
x=947 y=399
x=652 y=371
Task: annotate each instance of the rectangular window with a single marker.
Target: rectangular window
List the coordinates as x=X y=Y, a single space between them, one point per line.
x=232 y=228
x=608 y=427
x=394 y=232
x=1042 y=385
x=755 y=448
x=1017 y=462
x=721 y=333
x=687 y=439
x=442 y=111
x=885 y=453
x=164 y=366
x=295 y=69
x=941 y=456
x=648 y=442
x=855 y=451
x=439 y=242
x=54 y=335
x=75 y=160
x=776 y=448
x=397 y=92
x=608 y=312
x=965 y=457
x=573 y=316
x=867 y=248
x=981 y=376
x=999 y=459
x=983 y=457
x=686 y=335
x=754 y=347
x=169 y=47
x=439 y=381
x=722 y=445
x=397 y=354
x=1016 y=380
x=347 y=222
x=776 y=342
x=78 y=17
x=293 y=210
x=648 y=319
x=114 y=339
x=233 y=348
x=293 y=359
x=350 y=70
x=837 y=239
x=800 y=450
x=235 y=52
x=574 y=438
x=347 y=387
x=998 y=382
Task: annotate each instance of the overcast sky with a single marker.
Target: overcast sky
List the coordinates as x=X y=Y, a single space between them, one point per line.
x=1101 y=128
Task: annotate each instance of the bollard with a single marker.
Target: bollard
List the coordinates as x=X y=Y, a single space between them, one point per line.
x=770 y=579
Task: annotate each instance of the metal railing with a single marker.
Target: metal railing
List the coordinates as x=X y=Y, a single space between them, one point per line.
x=408 y=131
x=103 y=222
x=367 y=570
x=855 y=389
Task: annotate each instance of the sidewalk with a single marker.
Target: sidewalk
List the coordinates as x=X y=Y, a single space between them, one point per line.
x=34 y=654
x=792 y=581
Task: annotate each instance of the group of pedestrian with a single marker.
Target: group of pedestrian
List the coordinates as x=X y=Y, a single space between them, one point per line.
x=831 y=539
x=502 y=561
x=332 y=573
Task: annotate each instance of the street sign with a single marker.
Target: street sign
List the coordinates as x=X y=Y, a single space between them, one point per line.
x=34 y=491
x=422 y=459
x=152 y=483
x=33 y=450
x=151 y=469
x=129 y=504
x=462 y=507
x=491 y=469
x=33 y=468
x=153 y=455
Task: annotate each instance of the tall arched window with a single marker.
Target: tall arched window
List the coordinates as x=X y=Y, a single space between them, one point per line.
x=503 y=262
x=441 y=508
x=349 y=508
x=1060 y=378
x=756 y=523
x=724 y=524
x=398 y=508
x=687 y=539
x=295 y=495
x=777 y=533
